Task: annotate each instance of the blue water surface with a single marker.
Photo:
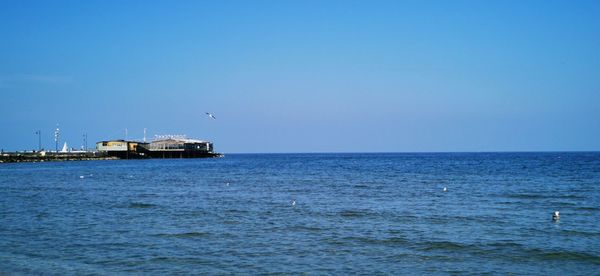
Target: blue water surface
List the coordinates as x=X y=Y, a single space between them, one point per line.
x=353 y=214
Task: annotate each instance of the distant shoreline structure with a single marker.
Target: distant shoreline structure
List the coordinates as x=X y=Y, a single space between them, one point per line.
x=162 y=147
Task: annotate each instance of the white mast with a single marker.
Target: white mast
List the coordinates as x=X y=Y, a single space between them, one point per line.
x=56 y=137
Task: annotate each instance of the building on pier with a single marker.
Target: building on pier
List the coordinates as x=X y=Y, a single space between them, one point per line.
x=120 y=148
x=167 y=146
x=177 y=147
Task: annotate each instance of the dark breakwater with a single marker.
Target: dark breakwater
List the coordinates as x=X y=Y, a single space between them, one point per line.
x=18 y=157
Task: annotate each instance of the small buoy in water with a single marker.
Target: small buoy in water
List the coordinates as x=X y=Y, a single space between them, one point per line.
x=445 y=189
x=556 y=216
x=293 y=202
x=227 y=184
x=81 y=176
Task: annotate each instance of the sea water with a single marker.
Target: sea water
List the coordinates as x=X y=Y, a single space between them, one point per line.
x=305 y=213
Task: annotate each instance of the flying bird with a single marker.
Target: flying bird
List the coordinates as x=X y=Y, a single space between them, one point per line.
x=211 y=116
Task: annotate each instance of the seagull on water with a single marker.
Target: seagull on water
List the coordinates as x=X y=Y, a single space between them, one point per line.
x=445 y=189
x=293 y=202
x=211 y=115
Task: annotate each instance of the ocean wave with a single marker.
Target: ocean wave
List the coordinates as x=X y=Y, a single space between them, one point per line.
x=581 y=233
x=564 y=255
x=383 y=241
x=587 y=208
x=526 y=196
x=361 y=186
x=367 y=241
x=183 y=235
x=308 y=228
x=503 y=244
x=354 y=213
x=141 y=205
x=444 y=245
x=542 y=196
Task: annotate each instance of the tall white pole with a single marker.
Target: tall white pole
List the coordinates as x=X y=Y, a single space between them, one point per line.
x=56 y=137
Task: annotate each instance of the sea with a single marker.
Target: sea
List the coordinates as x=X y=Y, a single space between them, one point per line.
x=317 y=214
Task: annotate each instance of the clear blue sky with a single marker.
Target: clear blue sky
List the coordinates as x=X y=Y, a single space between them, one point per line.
x=305 y=76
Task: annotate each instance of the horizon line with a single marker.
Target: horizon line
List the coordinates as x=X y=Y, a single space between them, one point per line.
x=382 y=152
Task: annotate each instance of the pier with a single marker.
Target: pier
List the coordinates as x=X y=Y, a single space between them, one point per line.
x=162 y=147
